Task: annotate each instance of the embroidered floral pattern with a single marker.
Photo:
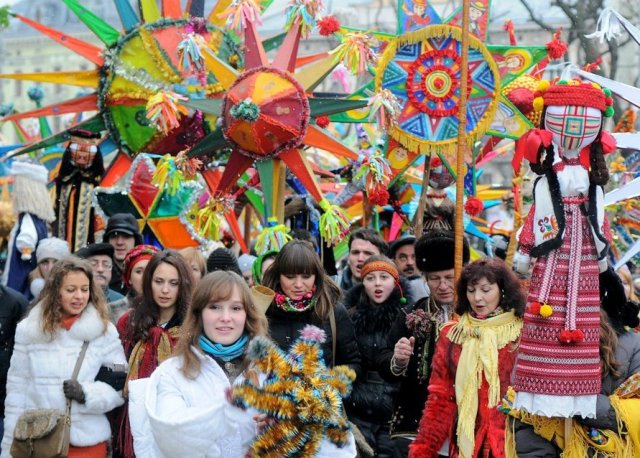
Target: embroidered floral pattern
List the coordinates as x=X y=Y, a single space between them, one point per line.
x=302 y=304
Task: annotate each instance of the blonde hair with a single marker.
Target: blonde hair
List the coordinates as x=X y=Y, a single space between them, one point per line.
x=51 y=306
x=192 y=254
x=626 y=277
x=215 y=286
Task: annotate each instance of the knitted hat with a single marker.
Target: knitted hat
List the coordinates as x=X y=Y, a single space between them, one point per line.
x=256 y=268
x=124 y=223
x=36 y=172
x=223 y=259
x=435 y=251
x=379 y=263
x=574 y=93
x=52 y=248
x=245 y=262
x=396 y=245
x=95 y=249
x=133 y=257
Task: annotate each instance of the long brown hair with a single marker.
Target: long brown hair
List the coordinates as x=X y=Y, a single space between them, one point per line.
x=608 y=344
x=51 y=306
x=146 y=312
x=216 y=286
x=297 y=257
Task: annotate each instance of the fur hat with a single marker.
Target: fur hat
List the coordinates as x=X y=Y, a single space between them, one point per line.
x=31 y=170
x=435 y=251
x=125 y=223
x=95 y=249
x=621 y=312
x=52 y=248
x=223 y=259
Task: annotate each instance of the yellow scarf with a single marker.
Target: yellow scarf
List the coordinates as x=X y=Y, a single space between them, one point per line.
x=480 y=340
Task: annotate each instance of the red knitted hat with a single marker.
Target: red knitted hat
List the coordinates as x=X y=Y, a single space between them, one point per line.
x=575 y=93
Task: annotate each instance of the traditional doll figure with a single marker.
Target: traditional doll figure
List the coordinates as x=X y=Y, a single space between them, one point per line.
x=438 y=211
x=558 y=369
x=34 y=210
x=81 y=170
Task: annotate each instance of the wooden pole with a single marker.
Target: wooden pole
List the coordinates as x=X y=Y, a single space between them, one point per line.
x=418 y=221
x=462 y=141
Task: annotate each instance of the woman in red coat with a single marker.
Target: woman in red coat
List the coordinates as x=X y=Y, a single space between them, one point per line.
x=472 y=367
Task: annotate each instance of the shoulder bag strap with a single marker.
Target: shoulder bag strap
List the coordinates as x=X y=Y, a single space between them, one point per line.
x=76 y=369
x=332 y=323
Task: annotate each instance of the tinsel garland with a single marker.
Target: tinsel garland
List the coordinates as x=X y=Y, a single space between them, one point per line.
x=164 y=110
x=334 y=223
x=307 y=11
x=159 y=57
x=273 y=237
x=300 y=392
x=355 y=52
x=240 y=13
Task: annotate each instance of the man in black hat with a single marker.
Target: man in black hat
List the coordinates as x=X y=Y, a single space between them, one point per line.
x=123 y=233
x=411 y=341
x=403 y=253
x=100 y=256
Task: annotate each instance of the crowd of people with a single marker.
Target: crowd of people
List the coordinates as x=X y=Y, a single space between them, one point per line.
x=166 y=335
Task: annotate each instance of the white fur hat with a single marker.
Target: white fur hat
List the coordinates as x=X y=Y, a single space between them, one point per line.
x=36 y=172
x=53 y=247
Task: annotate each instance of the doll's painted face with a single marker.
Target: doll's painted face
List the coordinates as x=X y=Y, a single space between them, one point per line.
x=573 y=127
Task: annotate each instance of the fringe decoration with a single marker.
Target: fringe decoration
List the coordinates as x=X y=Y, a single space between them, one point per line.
x=240 y=13
x=300 y=392
x=427 y=146
x=209 y=218
x=273 y=237
x=189 y=166
x=307 y=11
x=334 y=223
x=189 y=54
x=356 y=52
x=375 y=174
x=164 y=110
x=385 y=106
x=167 y=175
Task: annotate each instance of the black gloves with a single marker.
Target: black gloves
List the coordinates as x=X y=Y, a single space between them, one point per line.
x=115 y=379
x=73 y=390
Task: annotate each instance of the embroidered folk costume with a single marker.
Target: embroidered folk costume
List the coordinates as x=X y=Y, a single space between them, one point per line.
x=80 y=172
x=558 y=370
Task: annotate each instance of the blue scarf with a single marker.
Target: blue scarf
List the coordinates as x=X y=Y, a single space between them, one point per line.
x=224 y=352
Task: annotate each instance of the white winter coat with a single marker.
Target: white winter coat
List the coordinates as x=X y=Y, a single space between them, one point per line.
x=39 y=366
x=171 y=416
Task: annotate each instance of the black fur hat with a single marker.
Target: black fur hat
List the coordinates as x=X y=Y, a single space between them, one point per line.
x=621 y=312
x=435 y=251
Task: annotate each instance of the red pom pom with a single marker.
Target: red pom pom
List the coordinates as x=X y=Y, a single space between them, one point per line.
x=534 y=308
x=608 y=101
x=566 y=336
x=473 y=206
x=328 y=25
x=322 y=121
x=378 y=196
x=556 y=48
x=577 y=335
x=435 y=162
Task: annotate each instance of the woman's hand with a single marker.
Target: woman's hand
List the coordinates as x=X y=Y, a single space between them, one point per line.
x=73 y=390
x=403 y=350
x=263 y=421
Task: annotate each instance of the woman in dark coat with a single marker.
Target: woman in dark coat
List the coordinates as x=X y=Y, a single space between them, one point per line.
x=306 y=295
x=374 y=305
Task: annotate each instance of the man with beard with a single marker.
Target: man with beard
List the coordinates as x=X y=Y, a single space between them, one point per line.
x=100 y=256
x=363 y=244
x=403 y=253
x=411 y=341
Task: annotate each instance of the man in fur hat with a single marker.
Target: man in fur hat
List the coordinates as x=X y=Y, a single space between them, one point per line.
x=32 y=204
x=411 y=341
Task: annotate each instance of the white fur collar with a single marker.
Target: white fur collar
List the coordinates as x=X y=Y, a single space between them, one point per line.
x=87 y=327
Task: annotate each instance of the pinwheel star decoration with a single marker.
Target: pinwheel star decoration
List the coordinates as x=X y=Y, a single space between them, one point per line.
x=300 y=392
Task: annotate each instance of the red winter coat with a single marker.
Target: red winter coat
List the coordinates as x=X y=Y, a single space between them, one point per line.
x=439 y=417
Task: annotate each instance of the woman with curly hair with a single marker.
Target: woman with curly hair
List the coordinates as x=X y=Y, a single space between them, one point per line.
x=472 y=367
x=149 y=331
x=72 y=310
x=306 y=295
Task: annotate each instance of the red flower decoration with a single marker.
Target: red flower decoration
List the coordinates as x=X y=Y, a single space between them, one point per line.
x=534 y=308
x=556 y=48
x=322 y=121
x=328 y=25
x=473 y=206
x=435 y=162
x=378 y=196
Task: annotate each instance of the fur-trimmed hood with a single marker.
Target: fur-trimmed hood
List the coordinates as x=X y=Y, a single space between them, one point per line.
x=368 y=318
x=87 y=327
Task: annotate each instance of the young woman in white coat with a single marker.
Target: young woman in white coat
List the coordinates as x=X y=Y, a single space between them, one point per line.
x=182 y=409
x=47 y=345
